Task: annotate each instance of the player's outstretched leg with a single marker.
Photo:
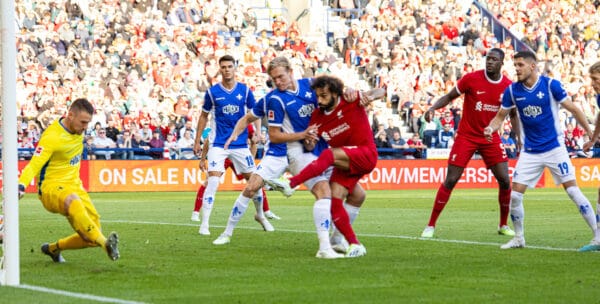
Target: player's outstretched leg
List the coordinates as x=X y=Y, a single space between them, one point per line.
x=282 y=185
x=315 y=168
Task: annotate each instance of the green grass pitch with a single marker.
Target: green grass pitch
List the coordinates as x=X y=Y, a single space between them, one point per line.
x=165 y=260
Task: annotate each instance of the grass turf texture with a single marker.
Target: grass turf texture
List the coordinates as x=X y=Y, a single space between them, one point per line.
x=165 y=260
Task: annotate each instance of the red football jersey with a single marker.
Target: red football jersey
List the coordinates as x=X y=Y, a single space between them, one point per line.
x=346 y=125
x=481 y=103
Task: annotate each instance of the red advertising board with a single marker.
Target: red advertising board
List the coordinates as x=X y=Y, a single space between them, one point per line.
x=184 y=175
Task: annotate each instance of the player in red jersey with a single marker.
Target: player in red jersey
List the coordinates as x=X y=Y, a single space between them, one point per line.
x=483 y=90
x=344 y=125
x=228 y=164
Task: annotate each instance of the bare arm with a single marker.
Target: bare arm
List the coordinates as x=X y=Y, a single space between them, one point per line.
x=594 y=137
x=516 y=126
x=369 y=96
x=199 y=130
x=444 y=100
x=495 y=124
x=240 y=126
x=202 y=164
x=578 y=114
x=276 y=136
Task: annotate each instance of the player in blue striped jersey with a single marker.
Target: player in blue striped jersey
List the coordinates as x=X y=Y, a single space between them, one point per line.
x=227 y=102
x=537 y=99
x=290 y=107
x=272 y=165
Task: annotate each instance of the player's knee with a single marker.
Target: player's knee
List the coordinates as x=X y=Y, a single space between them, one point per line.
x=516 y=199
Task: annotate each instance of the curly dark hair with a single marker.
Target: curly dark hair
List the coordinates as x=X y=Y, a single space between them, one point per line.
x=335 y=85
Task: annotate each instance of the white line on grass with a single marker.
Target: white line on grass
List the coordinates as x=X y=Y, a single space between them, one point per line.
x=404 y=237
x=76 y=294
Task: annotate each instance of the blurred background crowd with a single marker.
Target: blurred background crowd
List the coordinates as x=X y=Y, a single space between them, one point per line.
x=145 y=64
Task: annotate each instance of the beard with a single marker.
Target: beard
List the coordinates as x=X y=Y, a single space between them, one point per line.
x=328 y=106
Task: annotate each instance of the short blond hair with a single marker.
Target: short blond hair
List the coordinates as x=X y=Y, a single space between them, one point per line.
x=279 y=62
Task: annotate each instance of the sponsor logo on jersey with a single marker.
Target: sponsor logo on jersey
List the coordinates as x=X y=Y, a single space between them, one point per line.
x=339 y=129
x=39 y=150
x=231 y=109
x=75 y=160
x=306 y=110
x=532 y=111
x=271 y=115
x=482 y=107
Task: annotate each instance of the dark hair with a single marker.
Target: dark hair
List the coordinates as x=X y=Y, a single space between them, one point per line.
x=335 y=85
x=226 y=58
x=82 y=104
x=525 y=55
x=497 y=50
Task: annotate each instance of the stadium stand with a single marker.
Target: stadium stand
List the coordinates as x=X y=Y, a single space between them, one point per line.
x=144 y=64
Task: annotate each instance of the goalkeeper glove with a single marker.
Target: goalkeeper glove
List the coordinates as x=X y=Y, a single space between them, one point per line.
x=21 y=191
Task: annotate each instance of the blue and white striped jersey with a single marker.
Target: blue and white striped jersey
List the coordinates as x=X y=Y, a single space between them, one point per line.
x=538 y=111
x=227 y=107
x=291 y=111
x=260 y=110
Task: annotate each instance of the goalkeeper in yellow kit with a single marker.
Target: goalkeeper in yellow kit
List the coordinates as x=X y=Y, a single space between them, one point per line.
x=55 y=165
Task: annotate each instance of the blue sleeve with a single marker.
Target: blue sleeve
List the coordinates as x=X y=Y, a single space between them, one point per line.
x=507 y=100
x=259 y=108
x=208 y=104
x=558 y=91
x=250 y=100
x=598 y=100
x=276 y=111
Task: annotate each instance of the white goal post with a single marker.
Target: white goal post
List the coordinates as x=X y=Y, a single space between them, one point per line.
x=10 y=268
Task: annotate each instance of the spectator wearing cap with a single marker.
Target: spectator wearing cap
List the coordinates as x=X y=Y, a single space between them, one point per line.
x=156 y=142
x=103 y=142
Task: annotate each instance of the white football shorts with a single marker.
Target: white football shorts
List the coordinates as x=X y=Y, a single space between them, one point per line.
x=530 y=167
x=299 y=159
x=271 y=167
x=242 y=159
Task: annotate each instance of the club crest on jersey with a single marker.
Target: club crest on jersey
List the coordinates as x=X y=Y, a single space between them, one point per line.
x=38 y=150
x=340 y=115
x=540 y=95
x=532 y=111
x=306 y=110
x=231 y=109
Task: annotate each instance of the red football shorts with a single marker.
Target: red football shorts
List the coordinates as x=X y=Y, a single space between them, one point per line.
x=463 y=149
x=362 y=160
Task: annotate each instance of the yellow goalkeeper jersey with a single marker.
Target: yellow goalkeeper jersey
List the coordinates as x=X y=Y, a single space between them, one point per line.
x=57 y=157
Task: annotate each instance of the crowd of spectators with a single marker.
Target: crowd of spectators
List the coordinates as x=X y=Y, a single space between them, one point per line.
x=146 y=65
